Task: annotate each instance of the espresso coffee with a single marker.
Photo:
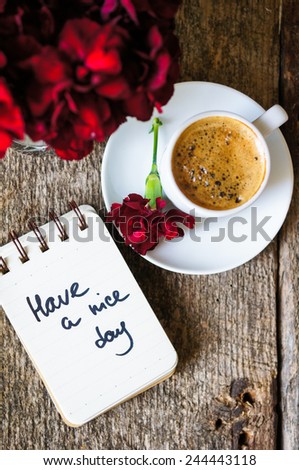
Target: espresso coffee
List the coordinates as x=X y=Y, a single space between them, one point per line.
x=218 y=163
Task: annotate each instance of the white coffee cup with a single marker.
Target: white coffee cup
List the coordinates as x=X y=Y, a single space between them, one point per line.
x=263 y=126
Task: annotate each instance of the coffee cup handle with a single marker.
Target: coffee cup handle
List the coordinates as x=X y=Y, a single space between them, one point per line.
x=270 y=120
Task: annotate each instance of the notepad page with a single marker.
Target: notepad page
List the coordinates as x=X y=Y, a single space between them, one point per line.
x=83 y=319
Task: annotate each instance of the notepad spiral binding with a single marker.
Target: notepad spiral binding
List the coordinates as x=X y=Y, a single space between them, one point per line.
x=4 y=268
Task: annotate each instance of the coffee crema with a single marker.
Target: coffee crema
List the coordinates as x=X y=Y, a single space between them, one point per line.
x=218 y=163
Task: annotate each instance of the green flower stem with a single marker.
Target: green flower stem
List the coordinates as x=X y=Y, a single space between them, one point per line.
x=153 y=187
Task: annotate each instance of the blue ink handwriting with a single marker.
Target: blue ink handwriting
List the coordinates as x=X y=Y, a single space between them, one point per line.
x=109 y=336
x=68 y=324
x=51 y=304
x=43 y=308
x=108 y=302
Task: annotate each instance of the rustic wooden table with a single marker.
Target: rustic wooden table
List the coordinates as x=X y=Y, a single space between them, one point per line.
x=236 y=333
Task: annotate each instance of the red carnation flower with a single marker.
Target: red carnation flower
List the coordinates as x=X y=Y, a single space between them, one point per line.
x=11 y=122
x=68 y=96
x=142 y=227
x=78 y=70
x=84 y=88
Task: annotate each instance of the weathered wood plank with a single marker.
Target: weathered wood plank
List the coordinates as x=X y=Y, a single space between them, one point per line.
x=223 y=394
x=289 y=237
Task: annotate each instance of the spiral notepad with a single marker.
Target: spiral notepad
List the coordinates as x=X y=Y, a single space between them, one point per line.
x=81 y=315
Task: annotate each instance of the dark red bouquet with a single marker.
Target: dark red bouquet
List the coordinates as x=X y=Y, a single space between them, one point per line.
x=71 y=71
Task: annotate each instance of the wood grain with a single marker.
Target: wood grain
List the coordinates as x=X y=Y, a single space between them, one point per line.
x=288 y=293
x=224 y=393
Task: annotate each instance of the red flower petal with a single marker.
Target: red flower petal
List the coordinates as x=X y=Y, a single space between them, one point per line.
x=38 y=129
x=175 y=215
x=130 y=8
x=5 y=142
x=139 y=106
x=77 y=150
x=82 y=72
x=155 y=41
x=92 y=114
x=3 y=60
x=137 y=237
x=100 y=61
x=108 y=7
x=11 y=122
x=160 y=203
x=49 y=67
x=77 y=37
x=21 y=49
x=142 y=227
x=115 y=88
x=159 y=77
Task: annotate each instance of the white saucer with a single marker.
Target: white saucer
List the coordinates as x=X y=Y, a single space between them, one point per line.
x=127 y=161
